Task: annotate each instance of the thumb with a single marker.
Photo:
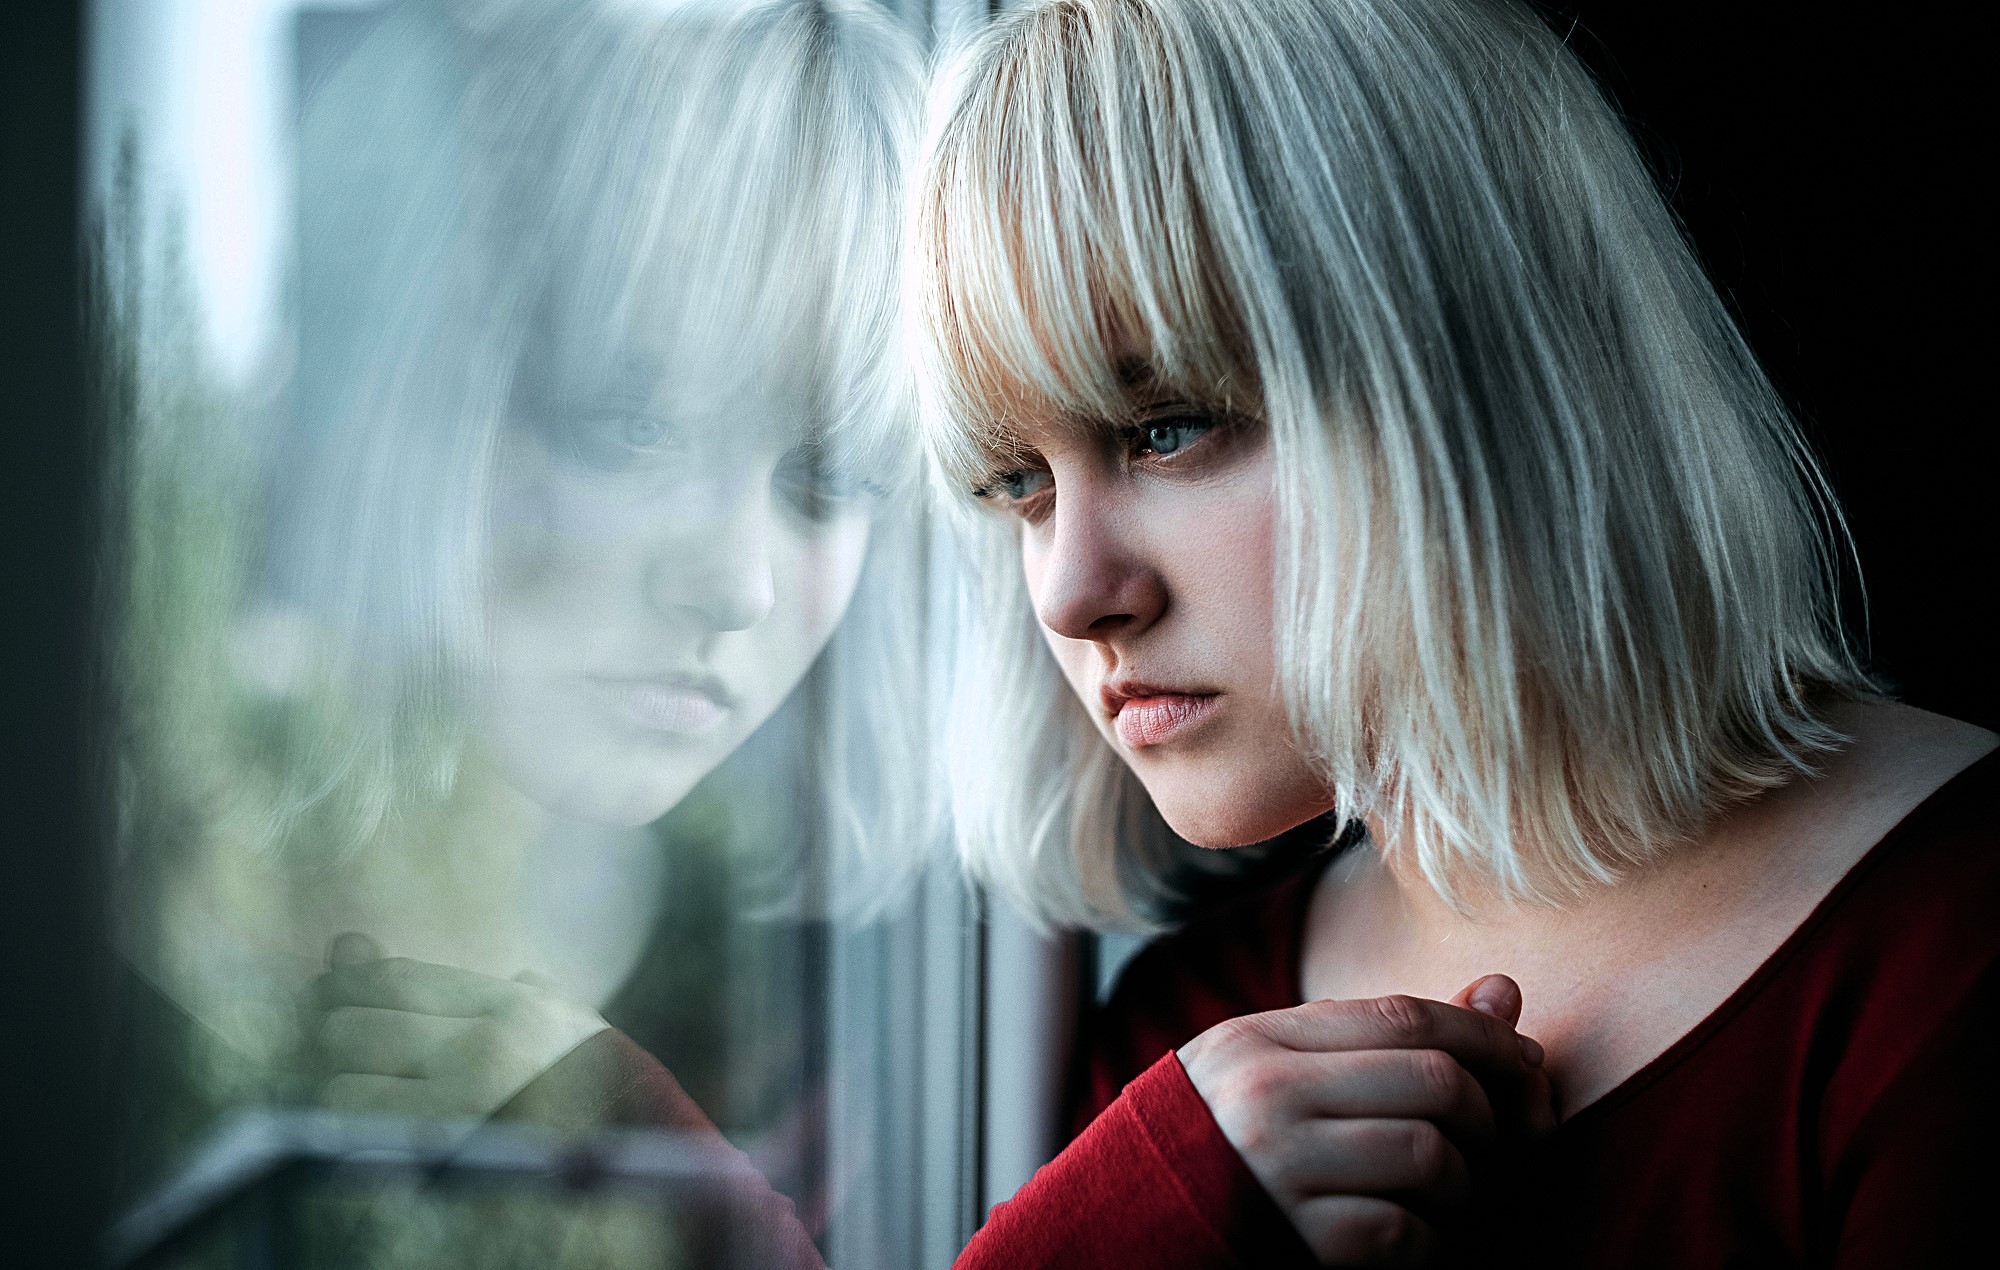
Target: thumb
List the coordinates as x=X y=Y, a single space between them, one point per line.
x=351 y=949
x=1496 y=995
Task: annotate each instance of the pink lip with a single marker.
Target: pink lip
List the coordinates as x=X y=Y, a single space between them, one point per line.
x=1147 y=716
x=675 y=705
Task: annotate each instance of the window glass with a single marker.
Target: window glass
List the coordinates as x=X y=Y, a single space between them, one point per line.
x=522 y=638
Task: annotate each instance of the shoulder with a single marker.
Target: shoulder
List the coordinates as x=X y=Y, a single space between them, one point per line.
x=1907 y=1026
x=1921 y=900
x=1904 y=834
x=1905 y=952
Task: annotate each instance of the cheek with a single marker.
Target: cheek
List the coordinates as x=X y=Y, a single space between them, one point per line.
x=1226 y=572
x=814 y=575
x=1075 y=659
x=553 y=535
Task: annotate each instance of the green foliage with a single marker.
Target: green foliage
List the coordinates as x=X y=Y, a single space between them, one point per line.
x=175 y=544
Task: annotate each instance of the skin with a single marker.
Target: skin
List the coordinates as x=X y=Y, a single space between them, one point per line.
x=680 y=539
x=1157 y=568
x=408 y=1037
x=1147 y=548
x=1614 y=979
x=691 y=538
x=1148 y=554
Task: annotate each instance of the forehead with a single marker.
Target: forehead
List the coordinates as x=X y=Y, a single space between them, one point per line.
x=735 y=359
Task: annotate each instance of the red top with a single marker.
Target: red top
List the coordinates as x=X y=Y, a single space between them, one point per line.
x=1836 y=1110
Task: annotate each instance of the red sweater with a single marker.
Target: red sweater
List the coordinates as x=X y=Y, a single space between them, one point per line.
x=1836 y=1110
x=1839 y=1109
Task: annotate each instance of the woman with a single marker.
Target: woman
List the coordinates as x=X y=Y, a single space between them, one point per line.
x=1358 y=439
x=571 y=516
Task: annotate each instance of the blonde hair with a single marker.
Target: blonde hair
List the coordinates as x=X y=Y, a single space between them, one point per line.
x=1557 y=573
x=483 y=215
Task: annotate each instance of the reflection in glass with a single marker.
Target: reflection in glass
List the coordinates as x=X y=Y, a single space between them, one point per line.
x=533 y=643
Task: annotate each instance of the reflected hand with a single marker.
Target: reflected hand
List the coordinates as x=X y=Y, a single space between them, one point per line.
x=416 y=1038
x=1358 y=1116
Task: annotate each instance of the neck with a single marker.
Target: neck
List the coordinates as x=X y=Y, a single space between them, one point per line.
x=475 y=844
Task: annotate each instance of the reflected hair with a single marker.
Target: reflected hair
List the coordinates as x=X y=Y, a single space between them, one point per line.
x=1557 y=575
x=484 y=215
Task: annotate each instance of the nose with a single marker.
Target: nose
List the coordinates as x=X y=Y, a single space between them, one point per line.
x=1090 y=579
x=716 y=566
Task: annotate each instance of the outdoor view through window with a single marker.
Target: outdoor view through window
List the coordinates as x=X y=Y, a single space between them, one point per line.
x=888 y=634
x=520 y=630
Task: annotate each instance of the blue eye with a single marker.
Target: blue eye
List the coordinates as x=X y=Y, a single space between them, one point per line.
x=612 y=439
x=1170 y=435
x=1013 y=486
x=821 y=492
x=1021 y=484
x=643 y=432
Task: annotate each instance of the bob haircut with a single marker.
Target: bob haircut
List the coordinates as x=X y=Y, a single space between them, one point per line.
x=1557 y=574
x=487 y=215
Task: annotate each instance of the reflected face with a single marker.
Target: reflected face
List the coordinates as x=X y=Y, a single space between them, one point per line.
x=1148 y=550
x=666 y=569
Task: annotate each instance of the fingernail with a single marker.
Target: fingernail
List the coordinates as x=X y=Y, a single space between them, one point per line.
x=1492 y=997
x=1531 y=1050
x=351 y=949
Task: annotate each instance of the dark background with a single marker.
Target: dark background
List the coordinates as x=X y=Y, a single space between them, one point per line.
x=51 y=1144
x=1825 y=160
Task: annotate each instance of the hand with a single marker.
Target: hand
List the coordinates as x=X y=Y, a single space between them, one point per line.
x=1358 y=1116
x=416 y=1038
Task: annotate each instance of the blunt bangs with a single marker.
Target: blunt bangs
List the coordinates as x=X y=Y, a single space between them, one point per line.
x=782 y=138
x=1063 y=238
x=1557 y=575
x=486 y=225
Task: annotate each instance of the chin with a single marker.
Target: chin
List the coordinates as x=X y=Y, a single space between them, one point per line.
x=1210 y=809
x=609 y=794
x=1221 y=824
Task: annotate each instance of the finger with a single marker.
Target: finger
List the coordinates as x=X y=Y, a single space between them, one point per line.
x=1363 y=1230
x=1479 y=1041
x=490 y=1062
x=1410 y=1161
x=366 y=1039
x=1397 y=1084
x=1496 y=996
x=1538 y=1103
x=351 y=948
x=423 y=987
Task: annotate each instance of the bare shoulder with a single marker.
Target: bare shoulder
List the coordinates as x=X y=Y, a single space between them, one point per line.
x=1671 y=943
x=1898 y=757
x=1909 y=738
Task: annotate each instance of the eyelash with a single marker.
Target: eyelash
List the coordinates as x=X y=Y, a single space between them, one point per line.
x=1141 y=432
x=819 y=494
x=1138 y=443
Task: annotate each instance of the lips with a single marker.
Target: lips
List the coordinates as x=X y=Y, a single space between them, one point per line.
x=1147 y=715
x=674 y=705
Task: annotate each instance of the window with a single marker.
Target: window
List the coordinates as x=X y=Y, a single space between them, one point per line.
x=516 y=629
